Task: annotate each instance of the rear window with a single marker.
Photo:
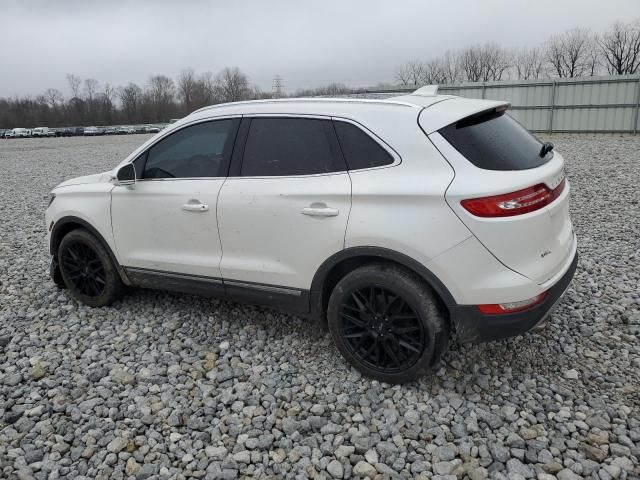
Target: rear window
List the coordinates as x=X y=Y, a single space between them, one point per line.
x=495 y=141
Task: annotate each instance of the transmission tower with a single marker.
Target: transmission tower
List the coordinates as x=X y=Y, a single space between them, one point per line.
x=277 y=89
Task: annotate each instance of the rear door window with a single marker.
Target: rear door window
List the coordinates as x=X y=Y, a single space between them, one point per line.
x=289 y=147
x=495 y=141
x=359 y=149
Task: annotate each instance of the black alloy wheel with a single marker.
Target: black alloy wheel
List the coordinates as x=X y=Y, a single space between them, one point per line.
x=381 y=329
x=88 y=270
x=84 y=268
x=387 y=322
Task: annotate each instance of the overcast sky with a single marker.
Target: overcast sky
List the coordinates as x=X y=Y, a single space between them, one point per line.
x=308 y=43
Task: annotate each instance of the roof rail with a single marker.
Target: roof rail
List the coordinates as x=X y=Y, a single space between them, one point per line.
x=308 y=99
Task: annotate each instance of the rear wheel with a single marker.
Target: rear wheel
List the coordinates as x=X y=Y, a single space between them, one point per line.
x=87 y=269
x=386 y=322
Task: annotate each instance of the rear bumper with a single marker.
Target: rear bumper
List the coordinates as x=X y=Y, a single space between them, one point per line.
x=473 y=326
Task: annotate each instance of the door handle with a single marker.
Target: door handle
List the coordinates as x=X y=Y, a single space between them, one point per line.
x=195 y=207
x=320 y=211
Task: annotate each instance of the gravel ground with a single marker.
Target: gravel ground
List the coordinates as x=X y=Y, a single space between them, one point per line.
x=173 y=386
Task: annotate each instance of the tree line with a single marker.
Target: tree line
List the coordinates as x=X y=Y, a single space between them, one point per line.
x=575 y=53
x=159 y=100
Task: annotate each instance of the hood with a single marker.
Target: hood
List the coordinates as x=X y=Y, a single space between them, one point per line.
x=95 y=178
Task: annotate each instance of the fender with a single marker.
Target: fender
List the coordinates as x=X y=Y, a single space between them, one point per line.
x=58 y=228
x=380 y=253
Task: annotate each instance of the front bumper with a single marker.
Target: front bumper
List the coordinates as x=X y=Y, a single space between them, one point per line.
x=473 y=326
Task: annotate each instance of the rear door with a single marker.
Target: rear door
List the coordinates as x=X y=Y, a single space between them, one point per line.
x=284 y=208
x=492 y=155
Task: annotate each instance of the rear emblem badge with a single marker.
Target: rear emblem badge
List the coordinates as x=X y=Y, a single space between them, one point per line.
x=545 y=253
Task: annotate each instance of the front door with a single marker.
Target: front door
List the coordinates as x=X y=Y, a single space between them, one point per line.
x=167 y=221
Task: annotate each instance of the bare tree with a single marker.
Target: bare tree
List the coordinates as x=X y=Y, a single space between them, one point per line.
x=186 y=88
x=451 y=67
x=90 y=88
x=485 y=63
x=161 y=92
x=495 y=61
x=593 y=62
x=411 y=73
x=106 y=103
x=620 y=48
x=204 y=92
x=472 y=64
x=53 y=96
x=232 y=85
x=529 y=64
x=131 y=98
x=74 y=85
x=434 y=72
x=568 y=54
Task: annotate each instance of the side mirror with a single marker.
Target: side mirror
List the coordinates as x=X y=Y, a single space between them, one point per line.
x=126 y=175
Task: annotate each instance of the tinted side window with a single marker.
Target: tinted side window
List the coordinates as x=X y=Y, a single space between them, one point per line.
x=289 y=146
x=200 y=150
x=359 y=149
x=495 y=141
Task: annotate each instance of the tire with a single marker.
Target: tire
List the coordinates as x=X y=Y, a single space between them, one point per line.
x=394 y=347
x=87 y=269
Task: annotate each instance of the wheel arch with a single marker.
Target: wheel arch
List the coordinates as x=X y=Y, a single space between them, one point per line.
x=69 y=223
x=339 y=264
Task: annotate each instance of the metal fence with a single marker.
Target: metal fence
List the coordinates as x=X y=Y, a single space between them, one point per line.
x=586 y=105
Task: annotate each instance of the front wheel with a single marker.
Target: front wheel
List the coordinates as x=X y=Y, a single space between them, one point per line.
x=87 y=270
x=386 y=322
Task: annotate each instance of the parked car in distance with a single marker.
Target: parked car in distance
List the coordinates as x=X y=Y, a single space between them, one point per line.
x=9 y=134
x=125 y=130
x=152 y=129
x=403 y=223
x=93 y=131
x=110 y=131
x=21 y=133
x=65 y=132
x=43 y=132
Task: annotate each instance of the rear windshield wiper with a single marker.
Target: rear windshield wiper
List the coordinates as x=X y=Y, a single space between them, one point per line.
x=546 y=148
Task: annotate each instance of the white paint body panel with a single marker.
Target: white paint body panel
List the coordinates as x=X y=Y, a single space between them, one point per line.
x=152 y=230
x=266 y=238
x=535 y=244
x=90 y=202
x=403 y=207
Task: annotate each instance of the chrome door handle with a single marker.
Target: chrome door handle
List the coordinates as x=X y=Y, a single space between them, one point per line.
x=195 y=207
x=320 y=211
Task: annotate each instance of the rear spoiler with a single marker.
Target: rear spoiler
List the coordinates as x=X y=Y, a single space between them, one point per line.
x=451 y=110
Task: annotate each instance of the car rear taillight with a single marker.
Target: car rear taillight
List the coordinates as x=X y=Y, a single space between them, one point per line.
x=514 y=203
x=512 y=307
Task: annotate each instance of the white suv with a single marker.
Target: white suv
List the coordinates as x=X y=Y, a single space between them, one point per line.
x=43 y=132
x=401 y=222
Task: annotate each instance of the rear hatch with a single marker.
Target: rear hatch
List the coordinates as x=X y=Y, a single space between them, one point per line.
x=511 y=195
